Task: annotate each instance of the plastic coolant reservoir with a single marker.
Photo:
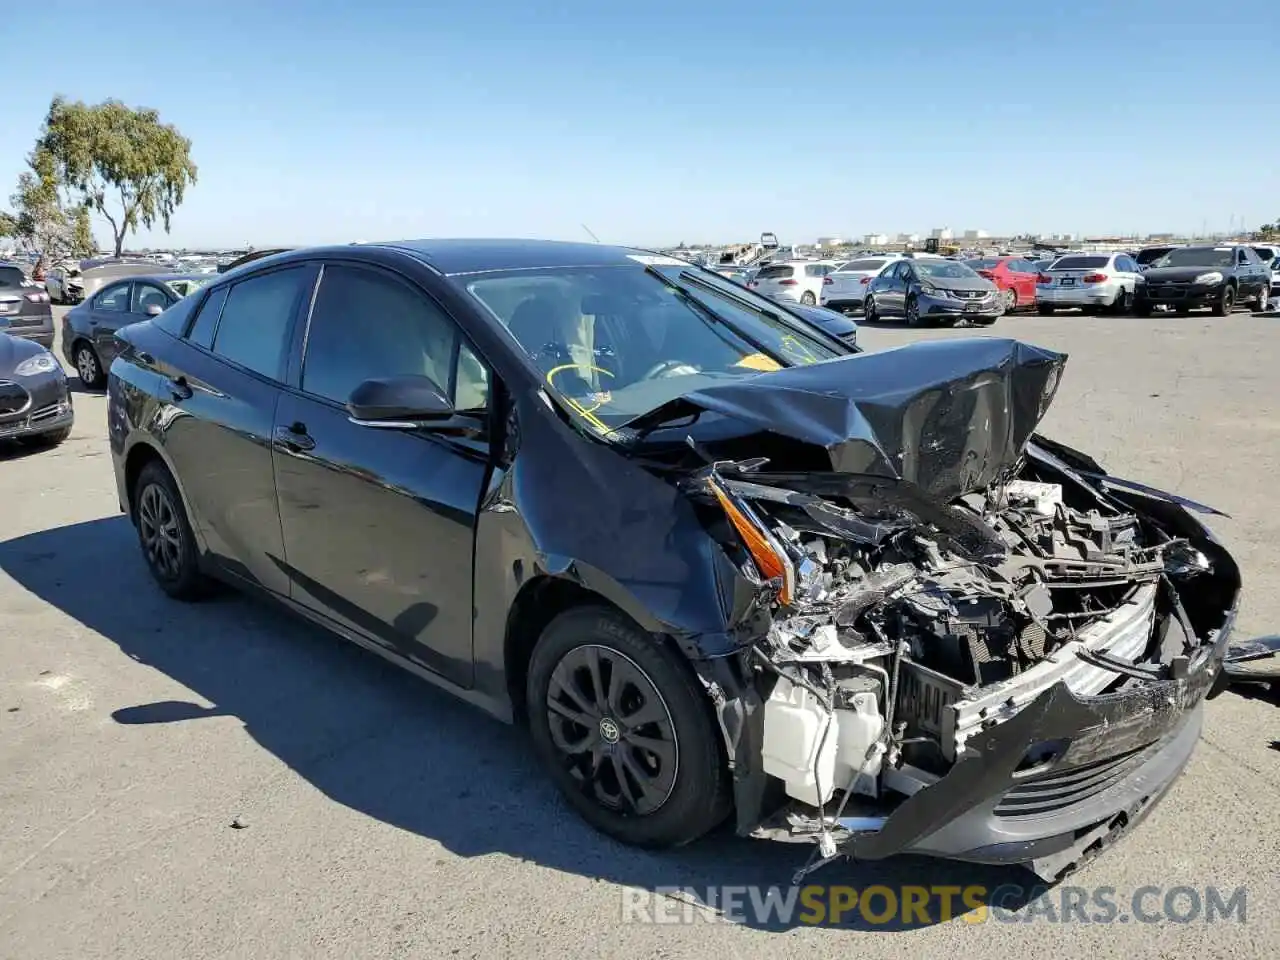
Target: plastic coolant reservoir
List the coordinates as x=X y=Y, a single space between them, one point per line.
x=794 y=749
x=859 y=728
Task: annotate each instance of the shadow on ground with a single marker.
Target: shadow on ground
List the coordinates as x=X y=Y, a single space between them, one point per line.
x=384 y=743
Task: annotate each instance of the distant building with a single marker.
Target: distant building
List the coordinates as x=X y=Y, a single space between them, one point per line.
x=826 y=243
x=908 y=238
x=941 y=233
x=1161 y=236
x=875 y=239
x=976 y=235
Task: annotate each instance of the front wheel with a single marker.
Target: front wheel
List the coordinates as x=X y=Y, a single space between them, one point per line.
x=1263 y=296
x=1121 y=303
x=1010 y=301
x=1226 y=302
x=622 y=726
x=913 y=312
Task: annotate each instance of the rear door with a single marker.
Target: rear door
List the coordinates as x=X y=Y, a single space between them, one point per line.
x=379 y=523
x=223 y=389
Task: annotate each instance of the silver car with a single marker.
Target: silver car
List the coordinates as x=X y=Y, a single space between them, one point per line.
x=1091 y=281
x=846 y=288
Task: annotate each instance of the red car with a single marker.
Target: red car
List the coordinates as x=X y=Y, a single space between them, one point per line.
x=1015 y=277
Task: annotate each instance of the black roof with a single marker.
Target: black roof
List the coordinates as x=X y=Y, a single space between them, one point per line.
x=480 y=256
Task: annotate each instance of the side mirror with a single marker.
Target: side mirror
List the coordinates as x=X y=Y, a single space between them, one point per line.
x=398 y=402
x=154 y=310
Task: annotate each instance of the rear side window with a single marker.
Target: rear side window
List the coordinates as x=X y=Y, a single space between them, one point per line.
x=113 y=299
x=207 y=320
x=1266 y=253
x=254 y=328
x=779 y=272
x=1081 y=263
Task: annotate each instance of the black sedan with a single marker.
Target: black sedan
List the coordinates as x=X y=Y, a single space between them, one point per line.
x=1216 y=277
x=719 y=563
x=88 y=330
x=35 y=403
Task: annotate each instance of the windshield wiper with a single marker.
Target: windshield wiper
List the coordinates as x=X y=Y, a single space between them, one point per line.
x=786 y=318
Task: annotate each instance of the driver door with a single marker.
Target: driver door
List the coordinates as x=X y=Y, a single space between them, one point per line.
x=378 y=523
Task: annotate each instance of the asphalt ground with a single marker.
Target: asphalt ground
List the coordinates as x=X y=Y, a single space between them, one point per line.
x=221 y=780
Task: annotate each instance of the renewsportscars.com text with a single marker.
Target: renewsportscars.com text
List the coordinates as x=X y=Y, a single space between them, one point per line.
x=909 y=905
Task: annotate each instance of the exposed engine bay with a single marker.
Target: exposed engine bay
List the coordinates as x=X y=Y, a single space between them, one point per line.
x=900 y=627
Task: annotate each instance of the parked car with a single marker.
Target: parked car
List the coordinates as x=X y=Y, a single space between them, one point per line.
x=931 y=290
x=1271 y=254
x=799 y=281
x=96 y=274
x=35 y=403
x=702 y=550
x=88 y=330
x=249 y=257
x=831 y=322
x=24 y=306
x=63 y=284
x=1013 y=276
x=1090 y=281
x=846 y=287
x=1217 y=277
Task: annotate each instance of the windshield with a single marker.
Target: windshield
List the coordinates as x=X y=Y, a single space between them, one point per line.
x=1080 y=263
x=1197 y=257
x=617 y=341
x=1151 y=254
x=943 y=269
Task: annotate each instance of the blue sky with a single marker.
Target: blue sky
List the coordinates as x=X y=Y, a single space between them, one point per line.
x=662 y=121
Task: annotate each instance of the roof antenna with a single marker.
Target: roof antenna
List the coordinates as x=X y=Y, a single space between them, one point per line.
x=589 y=233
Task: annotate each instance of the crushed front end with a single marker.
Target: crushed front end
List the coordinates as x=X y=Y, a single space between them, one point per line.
x=1009 y=670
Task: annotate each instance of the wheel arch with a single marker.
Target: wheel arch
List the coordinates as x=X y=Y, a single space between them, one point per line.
x=141 y=452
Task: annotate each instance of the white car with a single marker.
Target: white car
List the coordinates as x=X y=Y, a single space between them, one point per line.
x=1270 y=253
x=796 y=280
x=846 y=287
x=1091 y=281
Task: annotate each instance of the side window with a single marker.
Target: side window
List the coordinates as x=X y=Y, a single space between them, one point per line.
x=113 y=299
x=147 y=295
x=366 y=324
x=1242 y=257
x=254 y=328
x=207 y=319
x=174 y=320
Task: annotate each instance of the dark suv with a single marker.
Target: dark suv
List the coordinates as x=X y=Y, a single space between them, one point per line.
x=24 y=307
x=1215 y=277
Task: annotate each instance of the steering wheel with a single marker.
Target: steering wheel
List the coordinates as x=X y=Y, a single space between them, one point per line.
x=556 y=371
x=667 y=368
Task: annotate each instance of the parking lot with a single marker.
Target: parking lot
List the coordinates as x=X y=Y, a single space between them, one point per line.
x=222 y=780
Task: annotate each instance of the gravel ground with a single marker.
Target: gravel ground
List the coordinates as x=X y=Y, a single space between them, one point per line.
x=222 y=780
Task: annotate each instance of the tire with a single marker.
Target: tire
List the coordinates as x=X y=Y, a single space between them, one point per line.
x=172 y=556
x=88 y=366
x=1263 y=296
x=1226 y=301
x=808 y=299
x=912 y=312
x=1010 y=300
x=688 y=778
x=869 y=314
x=1044 y=310
x=1121 y=304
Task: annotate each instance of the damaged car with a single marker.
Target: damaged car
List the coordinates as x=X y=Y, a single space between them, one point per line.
x=721 y=564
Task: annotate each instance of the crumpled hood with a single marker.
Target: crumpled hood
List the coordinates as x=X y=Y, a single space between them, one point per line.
x=947 y=415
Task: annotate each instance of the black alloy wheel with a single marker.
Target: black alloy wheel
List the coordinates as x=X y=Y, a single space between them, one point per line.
x=625 y=731
x=1226 y=301
x=164 y=534
x=913 y=311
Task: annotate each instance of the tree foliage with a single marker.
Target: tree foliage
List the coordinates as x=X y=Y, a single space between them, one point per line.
x=119 y=161
x=41 y=221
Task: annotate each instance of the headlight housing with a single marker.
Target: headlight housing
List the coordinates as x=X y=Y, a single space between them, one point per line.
x=929 y=290
x=34 y=366
x=1213 y=276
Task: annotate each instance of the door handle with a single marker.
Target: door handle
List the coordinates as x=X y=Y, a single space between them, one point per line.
x=179 y=389
x=295 y=437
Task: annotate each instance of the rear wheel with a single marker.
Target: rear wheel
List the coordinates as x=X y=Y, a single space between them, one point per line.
x=869 y=313
x=622 y=726
x=88 y=366
x=1121 y=303
x=1263 y=296
x=1226 y=301
x=165 y=536
x=1010 y=301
